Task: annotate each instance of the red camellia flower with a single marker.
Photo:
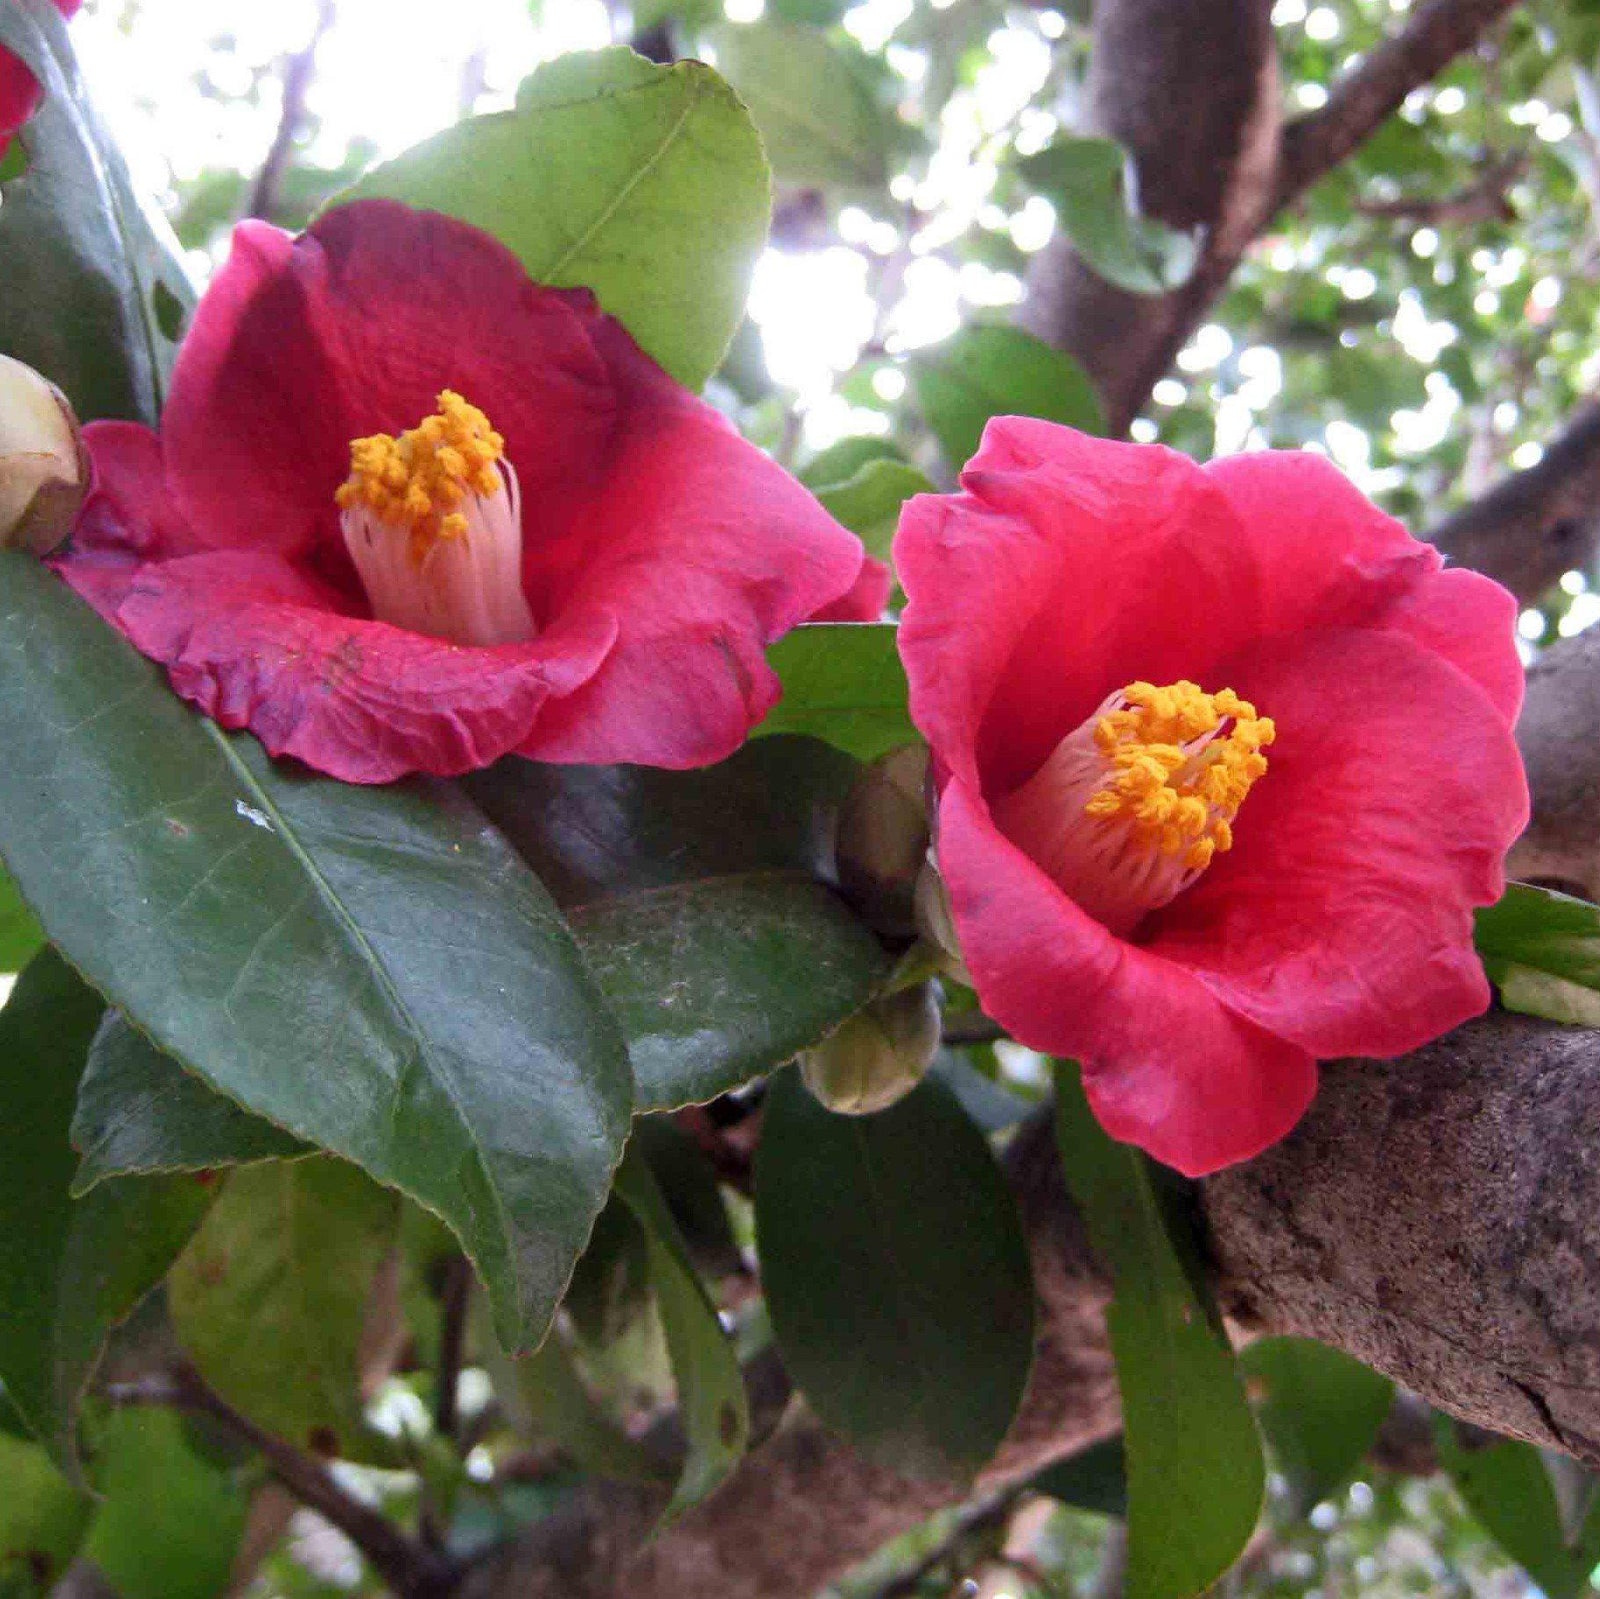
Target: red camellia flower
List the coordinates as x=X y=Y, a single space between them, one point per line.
x=409 y=511
x=1225 y=763
x=19 y=89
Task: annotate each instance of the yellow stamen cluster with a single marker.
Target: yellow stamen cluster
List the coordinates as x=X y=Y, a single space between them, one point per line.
x=419 y=480
x=1182 y=762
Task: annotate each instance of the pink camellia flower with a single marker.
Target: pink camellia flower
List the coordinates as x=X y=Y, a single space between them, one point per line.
x=19 y=89
x=1224 y=763
x=409 y=511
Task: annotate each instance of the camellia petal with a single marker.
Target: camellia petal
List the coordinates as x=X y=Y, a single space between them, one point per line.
x=659 y=553
x=1225 y=763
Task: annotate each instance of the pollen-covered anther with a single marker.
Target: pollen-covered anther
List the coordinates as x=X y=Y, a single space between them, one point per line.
x=433 y=521
x=1132 y=806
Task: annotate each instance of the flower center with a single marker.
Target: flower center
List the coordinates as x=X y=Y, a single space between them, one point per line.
x=1132 y=806
x=433 y=522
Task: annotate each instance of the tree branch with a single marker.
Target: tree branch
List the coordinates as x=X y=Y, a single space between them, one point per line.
x=1536 y=524
x=298 y=72
x=1373 y=90
x=1190 y=87
x=410 y=1570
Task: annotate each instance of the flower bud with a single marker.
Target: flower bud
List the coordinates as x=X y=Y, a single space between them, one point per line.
x=935 y=924
x=878 y=1056
x=883 y=835
x=44 y=470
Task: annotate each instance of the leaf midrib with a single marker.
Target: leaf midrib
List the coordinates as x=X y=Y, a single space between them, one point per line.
x=374 y=962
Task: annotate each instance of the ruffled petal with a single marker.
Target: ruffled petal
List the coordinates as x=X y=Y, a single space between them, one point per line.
x=1327 y=556
x=1342 y=918
x=1470 y=621
x=866 y=599
x=1167 y=1065
x=1068 y=567
x=255 y=642
x=352 y=328
x=705 y=551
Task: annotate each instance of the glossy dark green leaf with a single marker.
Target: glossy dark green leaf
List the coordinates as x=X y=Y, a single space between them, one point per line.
x=21 y=937
x=1506 y=1486
x=896 y=1275
x=720 y=951
x=984 y=372
x=843 y=682
x=1195 y=1472
x=1319 y=1408
x=373 y=970
x=1087 y=179
x=868 y=502
x=1542 y=951
x=819 y=119
x=81 y=257
x=712 y=1405
x=43 y=1519
x=71 y=1269
x=644 y=183
x=1095 y=1478
x=270 y=1299
x=140 y=1111
x=170 y=1520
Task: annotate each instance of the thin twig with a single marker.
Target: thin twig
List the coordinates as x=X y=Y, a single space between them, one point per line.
x=411 y=1570
x=454 y=1298
x=298 y=71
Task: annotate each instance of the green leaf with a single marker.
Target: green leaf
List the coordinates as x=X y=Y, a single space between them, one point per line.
x=1095 y=1479
x=818 y=116
x=270 y=1299
x=896 y=1275
x=720 y=951
x=689 y=1185
x=1542 y=950
x=869 y=501
x=1320 y=1410
x=81 y=258
x=1195 y=1473
x=140 y=1111
x=845 y=457
x=712 y=1403
x=42 y=1520
x=170 y=1522
x=1506 y=1486
x=843 y=682
x=644 y=183
x=71 y=1269
x=373 y=970
x=1087 y=179
x=21 y=937
x=552 y=1392
x=610 y=1285
x=984 y=372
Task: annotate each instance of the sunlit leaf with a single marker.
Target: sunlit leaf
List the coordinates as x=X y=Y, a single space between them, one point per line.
x=1542 y=950
x=644 y=183
x=843 y=682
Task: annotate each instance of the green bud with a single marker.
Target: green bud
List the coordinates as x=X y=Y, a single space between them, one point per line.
x=883 y=835
x=878 y=1056
x=44 y=471
x=935 y=925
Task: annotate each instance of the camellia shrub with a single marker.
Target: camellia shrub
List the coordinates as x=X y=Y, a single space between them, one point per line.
x=609 y=1003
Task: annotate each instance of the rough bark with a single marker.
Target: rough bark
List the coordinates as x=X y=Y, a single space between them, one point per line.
x=1559 y=733
x=1190 y=87
x=1534 y=525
